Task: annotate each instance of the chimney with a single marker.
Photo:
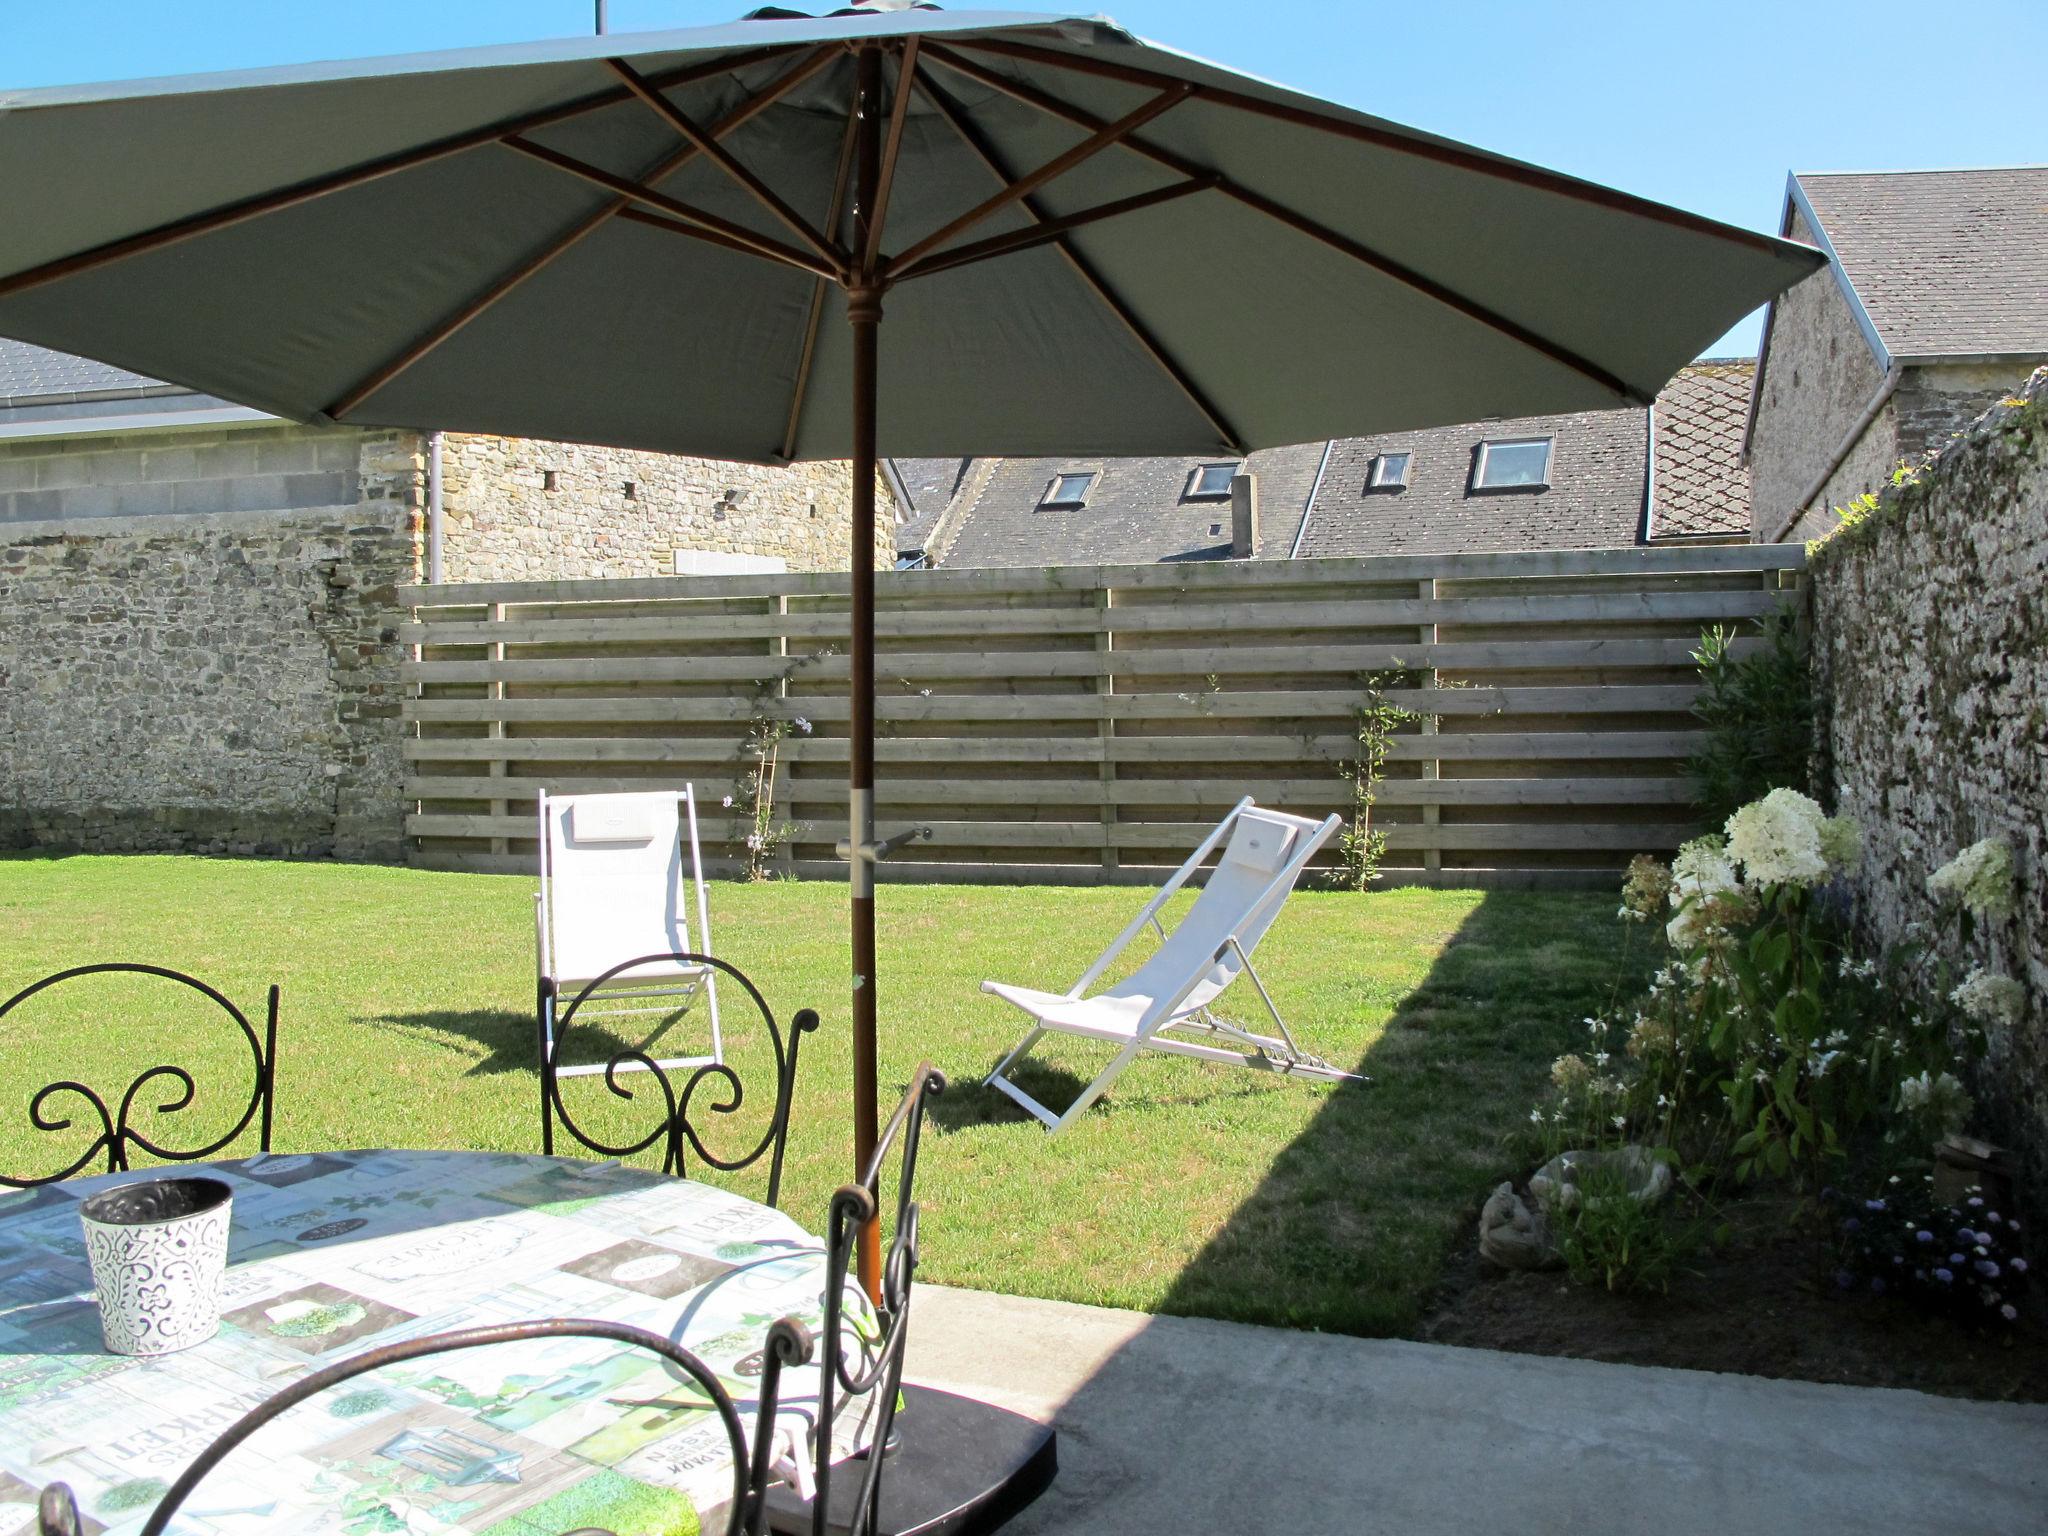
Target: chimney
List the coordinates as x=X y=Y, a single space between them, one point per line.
x=1244 y=516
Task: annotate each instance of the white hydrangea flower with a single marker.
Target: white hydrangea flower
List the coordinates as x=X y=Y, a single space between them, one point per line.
x=1980 y=878
x=1841 y=844
x=1777 y=840
x=1990 y=998
x=1700 y=872
x=1940 y=1099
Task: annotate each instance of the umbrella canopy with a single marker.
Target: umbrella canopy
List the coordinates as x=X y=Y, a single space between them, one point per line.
x=685 y=241
x=540 y=240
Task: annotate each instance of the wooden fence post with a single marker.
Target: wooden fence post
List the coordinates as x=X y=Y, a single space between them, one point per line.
x=1105 y=688
x=495 y=689
x=1431 y=768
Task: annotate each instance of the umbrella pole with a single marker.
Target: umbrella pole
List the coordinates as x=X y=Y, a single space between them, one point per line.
x=864 y=314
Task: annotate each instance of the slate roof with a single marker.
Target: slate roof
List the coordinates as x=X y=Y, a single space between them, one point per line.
x=1137 y=511
x=1701 y=485
x=32 y=374
x=930 y=485
x=1594 y=499
x=1942 y=262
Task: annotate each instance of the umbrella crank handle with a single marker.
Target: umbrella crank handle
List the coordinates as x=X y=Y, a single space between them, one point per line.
x=874 y=853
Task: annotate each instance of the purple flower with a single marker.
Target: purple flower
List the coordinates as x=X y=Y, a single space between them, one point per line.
x=1873 y=1205
x=1844 y=1280
x=1876 y=1285
x=1943 y=1276
x=2018 y=1266
x=1987 y=1269
x=1992 y=1217
x=1956 y=1259
x=1975 y=1202
x=1853 y=1224
x=2009 y=1312
x=1923 y=1237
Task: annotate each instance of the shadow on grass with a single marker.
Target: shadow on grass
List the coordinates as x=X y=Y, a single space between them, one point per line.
x=510 y=1041
x=1351 y=1226
x=970 y=1102
x=508 y=1038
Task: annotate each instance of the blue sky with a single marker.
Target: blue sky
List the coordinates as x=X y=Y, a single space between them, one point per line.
x=1702 y=105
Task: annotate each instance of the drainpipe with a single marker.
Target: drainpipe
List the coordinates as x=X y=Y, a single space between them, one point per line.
x=434 y=571
x=1308 y=507
x=1848 y=445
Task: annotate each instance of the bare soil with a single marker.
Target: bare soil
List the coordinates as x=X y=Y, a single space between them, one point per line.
x=1762 y=1304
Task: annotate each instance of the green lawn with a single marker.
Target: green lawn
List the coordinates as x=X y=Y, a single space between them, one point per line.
x=1194 y=1189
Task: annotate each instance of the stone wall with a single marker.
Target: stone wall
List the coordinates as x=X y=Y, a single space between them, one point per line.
x=1818 y=378
x=515 y=510
x=199 y=646
x=1931 y=652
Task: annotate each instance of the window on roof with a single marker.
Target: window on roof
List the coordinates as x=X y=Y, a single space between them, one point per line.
x=1211 y=481
x=1512 y=464
x=1389 y=472
x=1070 y=490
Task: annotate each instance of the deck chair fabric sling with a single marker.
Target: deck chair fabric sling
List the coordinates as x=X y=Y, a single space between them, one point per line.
x=614 y=886
x=1164 y=1006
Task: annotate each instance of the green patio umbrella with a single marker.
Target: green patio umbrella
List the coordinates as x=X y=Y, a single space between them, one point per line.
x=687 y=241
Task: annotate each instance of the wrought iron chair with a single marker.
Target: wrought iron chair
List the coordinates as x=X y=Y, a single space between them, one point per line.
x=789 y=1344
x=952 y=1466
x=673 y=1129
x=117 y=1129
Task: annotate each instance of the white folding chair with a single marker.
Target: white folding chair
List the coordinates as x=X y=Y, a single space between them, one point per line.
x=613 y=888
x=1205 y=953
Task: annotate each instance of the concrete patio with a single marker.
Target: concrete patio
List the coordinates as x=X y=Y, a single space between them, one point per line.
x=1170 y=1424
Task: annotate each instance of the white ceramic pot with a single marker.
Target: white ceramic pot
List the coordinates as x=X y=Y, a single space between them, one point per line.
x=159 y=1249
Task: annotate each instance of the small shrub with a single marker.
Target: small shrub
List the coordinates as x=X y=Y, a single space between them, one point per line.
x=1957 y=1261
x=1609 y=1238
x=1758 y=715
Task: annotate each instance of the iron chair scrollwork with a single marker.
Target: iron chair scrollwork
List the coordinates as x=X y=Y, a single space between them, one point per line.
x=54 y=1107
x=712 y=1087
x=789 y=1344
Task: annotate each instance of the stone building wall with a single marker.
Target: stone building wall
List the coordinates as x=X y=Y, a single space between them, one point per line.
x=1931 y=653
x=198 y=642
x=1818 y=378
x=516 y=510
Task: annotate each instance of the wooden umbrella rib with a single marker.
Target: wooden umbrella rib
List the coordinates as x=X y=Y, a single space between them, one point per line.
x=667 y=166
x=194 y=225
x=762 y=245
x=1051 y=229
x=834 y=217
x=1356 y=250
x=892 y=146
x=1388 y=138
x=1104 y=136
x=1153 y=348
x=706 y=142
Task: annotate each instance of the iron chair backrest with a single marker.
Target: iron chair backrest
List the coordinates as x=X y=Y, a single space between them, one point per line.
x=1260 y=865
x=873 y=1365
x=674 y=1130
x=117 y=1129
x=789 y=1344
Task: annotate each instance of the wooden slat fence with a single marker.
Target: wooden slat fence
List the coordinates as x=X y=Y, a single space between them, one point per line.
x=1089 y=723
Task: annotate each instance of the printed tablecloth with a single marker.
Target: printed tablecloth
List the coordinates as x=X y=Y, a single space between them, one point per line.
x=336 y=1253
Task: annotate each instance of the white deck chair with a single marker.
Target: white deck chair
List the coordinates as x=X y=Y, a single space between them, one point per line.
x=612 y=888
x=1172 y=991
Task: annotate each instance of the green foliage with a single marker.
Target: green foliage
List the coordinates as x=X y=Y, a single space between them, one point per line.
x=1362 y=847
x=755 y=783
x=1610 y=1238
x=1758 y=716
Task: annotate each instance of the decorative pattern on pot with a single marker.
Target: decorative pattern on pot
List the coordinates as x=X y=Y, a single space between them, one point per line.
x=159 y=1250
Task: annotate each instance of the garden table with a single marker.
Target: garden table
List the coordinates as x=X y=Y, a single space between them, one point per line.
x=335 y=1253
